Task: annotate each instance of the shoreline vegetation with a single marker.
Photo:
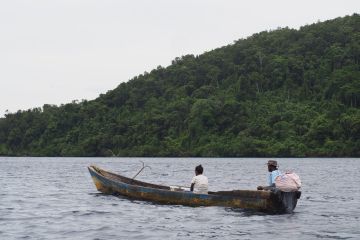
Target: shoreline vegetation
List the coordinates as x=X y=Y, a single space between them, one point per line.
x=281 y=93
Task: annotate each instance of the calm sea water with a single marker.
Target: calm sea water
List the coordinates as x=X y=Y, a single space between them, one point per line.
x=55 y=198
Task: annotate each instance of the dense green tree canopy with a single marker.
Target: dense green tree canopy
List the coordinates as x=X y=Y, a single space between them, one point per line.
x=277 y=93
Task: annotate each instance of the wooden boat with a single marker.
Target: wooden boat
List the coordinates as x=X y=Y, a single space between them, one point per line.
x=264 y=201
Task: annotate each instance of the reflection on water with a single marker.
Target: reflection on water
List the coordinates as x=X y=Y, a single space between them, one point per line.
x=54 y=198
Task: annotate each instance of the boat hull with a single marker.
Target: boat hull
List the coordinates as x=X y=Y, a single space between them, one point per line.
x=266 y=201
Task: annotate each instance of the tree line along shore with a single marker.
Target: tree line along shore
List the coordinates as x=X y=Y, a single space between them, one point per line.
x=280 y=93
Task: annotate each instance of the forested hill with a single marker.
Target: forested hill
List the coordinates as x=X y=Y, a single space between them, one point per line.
x=279 y=93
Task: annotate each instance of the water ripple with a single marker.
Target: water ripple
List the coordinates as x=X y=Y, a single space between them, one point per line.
x=54 y=198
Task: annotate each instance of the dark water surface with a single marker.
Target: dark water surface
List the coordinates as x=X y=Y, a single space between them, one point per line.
x=55 y=198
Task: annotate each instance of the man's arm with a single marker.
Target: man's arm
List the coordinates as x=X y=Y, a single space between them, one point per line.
x=192 y=187
x=266 y=187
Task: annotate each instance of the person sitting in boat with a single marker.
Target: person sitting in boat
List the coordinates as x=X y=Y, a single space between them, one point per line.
x=273 y=173
x=199 y=183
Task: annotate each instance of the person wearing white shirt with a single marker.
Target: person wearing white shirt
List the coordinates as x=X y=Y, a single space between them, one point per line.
x=199 y=183
x=273 y=174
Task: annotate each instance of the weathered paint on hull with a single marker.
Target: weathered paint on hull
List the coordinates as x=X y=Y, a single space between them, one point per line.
x=258 y=200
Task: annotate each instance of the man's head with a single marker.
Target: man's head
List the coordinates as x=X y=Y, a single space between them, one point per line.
x=199 y=170
x=272 y=165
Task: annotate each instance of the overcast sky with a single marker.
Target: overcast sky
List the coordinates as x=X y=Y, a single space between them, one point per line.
x=56 y=51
